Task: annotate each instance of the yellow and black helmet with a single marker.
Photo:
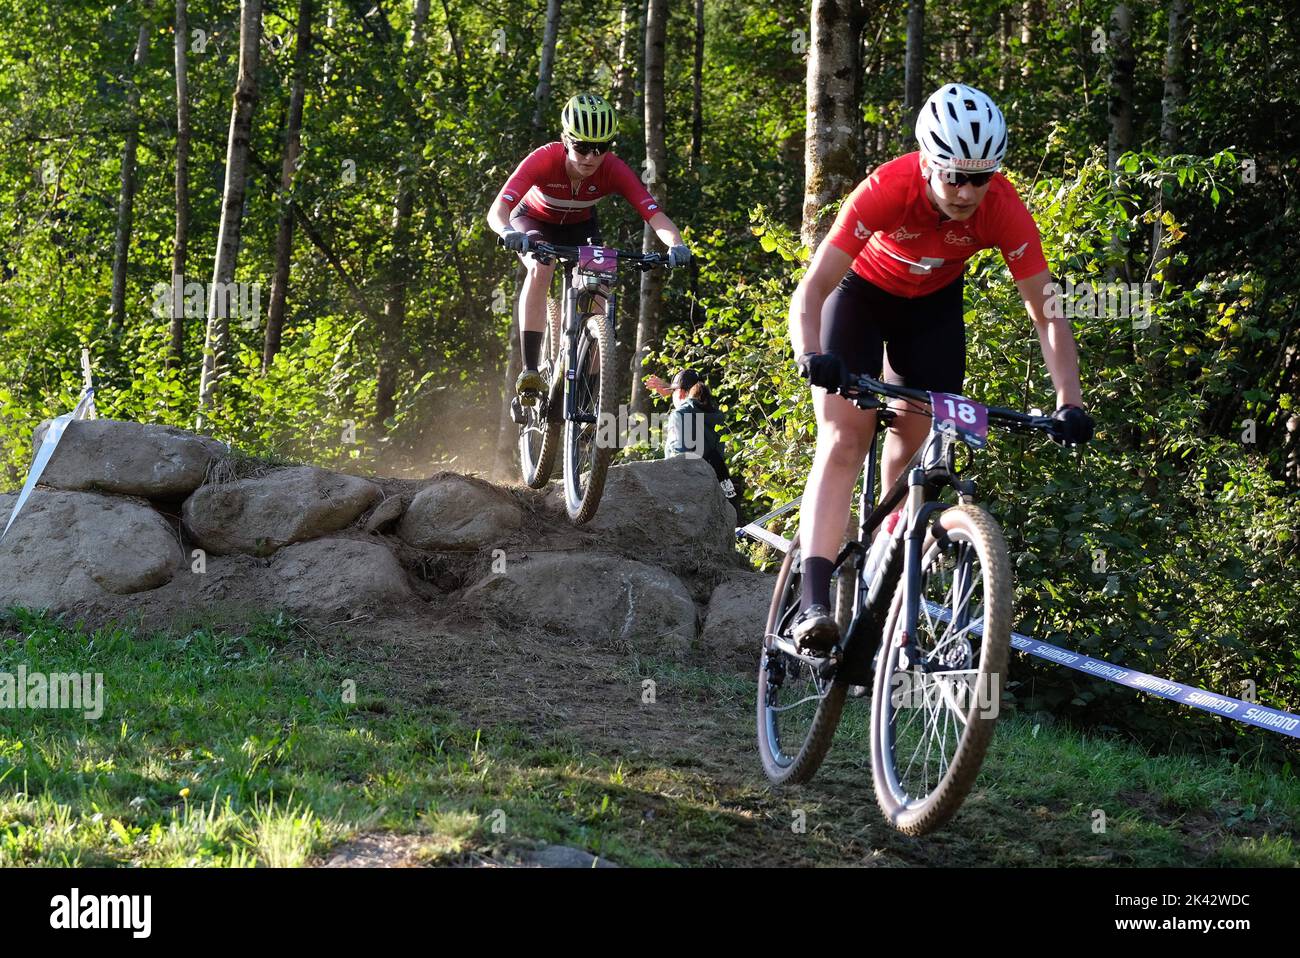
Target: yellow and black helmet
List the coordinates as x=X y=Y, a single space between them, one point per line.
x=589 y=118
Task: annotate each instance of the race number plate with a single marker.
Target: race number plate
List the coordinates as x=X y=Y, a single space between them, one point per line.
x=962 y=417
x=600 y=260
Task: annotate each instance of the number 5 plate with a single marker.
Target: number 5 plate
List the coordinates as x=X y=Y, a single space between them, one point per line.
x=959 y=415
x=601 y=260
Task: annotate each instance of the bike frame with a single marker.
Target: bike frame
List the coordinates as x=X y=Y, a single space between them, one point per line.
x=571 y=321
x=932 y=467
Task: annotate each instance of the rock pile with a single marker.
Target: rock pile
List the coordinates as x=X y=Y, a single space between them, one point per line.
x=141 y=518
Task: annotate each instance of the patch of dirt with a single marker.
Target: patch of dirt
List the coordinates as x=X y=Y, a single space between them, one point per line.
x=377 y=850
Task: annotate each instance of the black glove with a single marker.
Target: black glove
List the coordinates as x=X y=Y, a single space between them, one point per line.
x=678 y=256
x=515 y=240
x=1076 y=426
x=823 y=369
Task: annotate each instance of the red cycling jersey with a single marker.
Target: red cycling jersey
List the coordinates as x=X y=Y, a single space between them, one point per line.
x=900 y=244
x=542 y=182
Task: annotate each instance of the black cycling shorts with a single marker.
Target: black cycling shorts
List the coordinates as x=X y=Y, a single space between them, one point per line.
x=583 y=233
x=925 y=336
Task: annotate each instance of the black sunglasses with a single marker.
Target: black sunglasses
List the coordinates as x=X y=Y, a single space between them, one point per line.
x=961 y=179
x=587 y=149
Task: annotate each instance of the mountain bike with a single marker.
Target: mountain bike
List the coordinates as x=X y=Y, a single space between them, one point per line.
x=925 y=613
x=578 y=361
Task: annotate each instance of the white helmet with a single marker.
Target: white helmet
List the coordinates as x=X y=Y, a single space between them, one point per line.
x=960 y=128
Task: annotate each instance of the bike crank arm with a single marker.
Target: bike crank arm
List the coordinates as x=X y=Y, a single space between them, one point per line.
x=824 y=666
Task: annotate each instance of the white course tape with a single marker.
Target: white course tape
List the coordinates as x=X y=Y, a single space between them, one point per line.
x=49 y=442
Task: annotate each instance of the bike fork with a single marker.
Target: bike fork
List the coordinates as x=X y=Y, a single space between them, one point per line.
x=573 y=330
x=911 y=582
x=570 y=324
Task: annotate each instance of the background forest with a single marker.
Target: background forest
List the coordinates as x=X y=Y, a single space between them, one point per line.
x=336 y=158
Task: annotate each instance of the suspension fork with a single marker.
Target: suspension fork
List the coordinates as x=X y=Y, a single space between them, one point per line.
x=920 y=512
x=569 y=321
x=912 y=552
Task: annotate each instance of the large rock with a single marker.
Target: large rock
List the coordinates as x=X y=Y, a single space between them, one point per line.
x=385 y=514
x=328 y=576
x=737 y=615
x=454 y=512
x=671 y=511
x=70 y=548
x=562 y=856
x=130 y=458
x=602 y=599
x=259 y=516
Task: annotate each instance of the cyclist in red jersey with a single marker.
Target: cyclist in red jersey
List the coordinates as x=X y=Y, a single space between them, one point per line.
x=887 y=279
x=552 y=196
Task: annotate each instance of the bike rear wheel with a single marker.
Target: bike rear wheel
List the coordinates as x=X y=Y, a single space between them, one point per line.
x=937 y=693
x=539 y=434
x=587 y=451
x=798 y=711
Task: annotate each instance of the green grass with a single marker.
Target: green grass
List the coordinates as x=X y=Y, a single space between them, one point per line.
x=236 y=750
x=228 y=750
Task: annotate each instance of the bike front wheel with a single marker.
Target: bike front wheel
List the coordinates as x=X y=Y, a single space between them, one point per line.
x=798 y=710
x=937 y=693
x=588 y=448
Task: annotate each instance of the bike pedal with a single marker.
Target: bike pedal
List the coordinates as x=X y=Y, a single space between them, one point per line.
x=517 y=412
x=829 y=664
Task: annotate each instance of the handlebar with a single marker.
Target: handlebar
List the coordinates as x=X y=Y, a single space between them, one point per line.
x=569 y=254
x=860 y=388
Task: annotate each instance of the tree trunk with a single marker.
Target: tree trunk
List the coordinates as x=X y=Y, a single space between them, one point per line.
x=390 y=332
x=638 y=83
x=288 y=167
x=858 y=29
x=1174 y=95
x=126 y=195
x=549 y=37
x=629 y=312
x=830 y=150
x=1004 y=38
x=697 y=139
x=1121 y=113
x=697 y=82
x=656 y=151
x=1121 y=84
x=180 y=245
x=217 y=338
x=623 y=75
x=1175 y=75
x=1031 y=16
x=453 y=40
x=914 y=70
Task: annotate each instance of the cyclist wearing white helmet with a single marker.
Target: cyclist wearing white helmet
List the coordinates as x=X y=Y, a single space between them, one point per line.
x=887 y=279
x=552 y=196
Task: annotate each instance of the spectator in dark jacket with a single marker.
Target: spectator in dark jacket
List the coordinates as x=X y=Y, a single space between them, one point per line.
x=693 y=428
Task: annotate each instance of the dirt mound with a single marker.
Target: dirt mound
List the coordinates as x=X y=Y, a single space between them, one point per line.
x=252 y=538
